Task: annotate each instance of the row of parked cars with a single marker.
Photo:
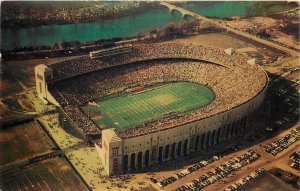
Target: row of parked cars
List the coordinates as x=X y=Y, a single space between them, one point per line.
x=295 y=157
x=221 y=171
x=187 y=171
x=242 y=182
x=277 y=146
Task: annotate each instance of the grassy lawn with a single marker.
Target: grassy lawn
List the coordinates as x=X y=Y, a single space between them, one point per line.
x=127 y=111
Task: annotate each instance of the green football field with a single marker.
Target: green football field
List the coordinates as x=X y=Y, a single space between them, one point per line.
x=130 y=110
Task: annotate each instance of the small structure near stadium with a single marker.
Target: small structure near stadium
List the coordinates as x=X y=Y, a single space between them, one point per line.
x=155 y=102
x=230 y=51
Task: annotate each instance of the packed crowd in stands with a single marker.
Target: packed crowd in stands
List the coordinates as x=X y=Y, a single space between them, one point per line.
x=84 y=64
x=231 y=79
x=81 y=120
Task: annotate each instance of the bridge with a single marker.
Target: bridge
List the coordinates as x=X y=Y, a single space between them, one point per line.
x=185 y=13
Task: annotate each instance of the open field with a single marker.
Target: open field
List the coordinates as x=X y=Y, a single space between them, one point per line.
x=51 y=174
x=8 y=85
x=268 y=182
x=221 y=40
x=150 y=104
x=15 y=106
x=216 y=40
x=23 y=142
x=23 y=70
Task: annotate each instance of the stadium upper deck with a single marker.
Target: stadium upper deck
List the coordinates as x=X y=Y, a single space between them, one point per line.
x=84 y=64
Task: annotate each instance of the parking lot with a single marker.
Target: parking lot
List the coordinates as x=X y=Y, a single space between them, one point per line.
x=221 y=171
x=211 y=176
x=245 y=180
x=281 y=144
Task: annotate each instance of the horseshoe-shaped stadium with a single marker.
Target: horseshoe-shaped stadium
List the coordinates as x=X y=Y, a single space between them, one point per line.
x=145 y=104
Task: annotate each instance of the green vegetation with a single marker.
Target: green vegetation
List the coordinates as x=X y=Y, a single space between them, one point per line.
x=130 y=110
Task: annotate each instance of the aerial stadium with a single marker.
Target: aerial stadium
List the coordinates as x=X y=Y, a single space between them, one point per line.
x=145 y=104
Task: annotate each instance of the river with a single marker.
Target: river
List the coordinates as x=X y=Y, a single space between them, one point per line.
x=127 y=26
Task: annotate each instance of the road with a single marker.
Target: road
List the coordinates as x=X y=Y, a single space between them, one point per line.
x=235 y=31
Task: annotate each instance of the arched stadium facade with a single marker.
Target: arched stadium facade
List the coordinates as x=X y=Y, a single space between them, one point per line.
x=80 y=85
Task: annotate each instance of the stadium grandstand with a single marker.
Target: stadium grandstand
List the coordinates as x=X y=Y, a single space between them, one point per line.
x=148 y=103
x=111 y=51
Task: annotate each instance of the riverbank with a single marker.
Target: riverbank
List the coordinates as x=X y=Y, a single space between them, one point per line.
x=69 y=48
x=32 y=14
x=148 y=16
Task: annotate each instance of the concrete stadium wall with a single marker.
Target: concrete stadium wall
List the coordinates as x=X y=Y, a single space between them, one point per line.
x=51 y=99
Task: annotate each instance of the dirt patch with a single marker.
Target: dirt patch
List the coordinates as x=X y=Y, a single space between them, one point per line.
x=257 y=22
x=8 y=85
x=292 y=29
x=23 y=141
x=5 y=138
x=51 y=174
x=278 y=29
x=98 y=117
x=218 y=40
x=268 y=182
x=23 y=70
x=165 y=99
